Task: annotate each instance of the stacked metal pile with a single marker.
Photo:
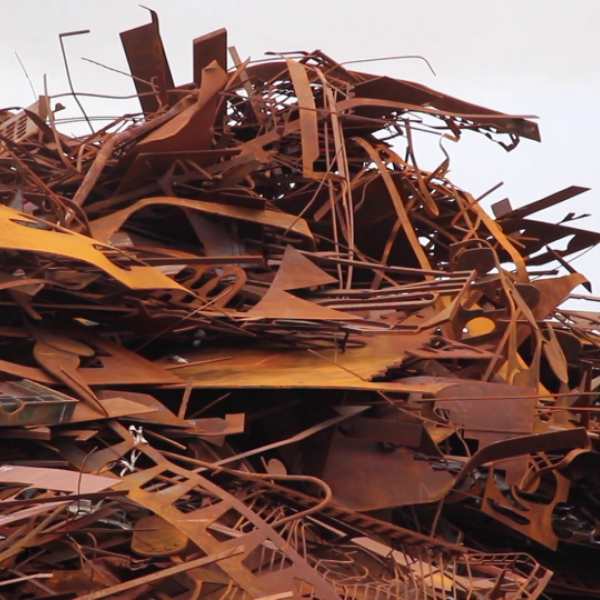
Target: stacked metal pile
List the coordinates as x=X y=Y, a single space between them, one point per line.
x=248 y=350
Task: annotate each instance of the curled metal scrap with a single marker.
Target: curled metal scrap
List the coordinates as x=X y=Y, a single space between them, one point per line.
x=249 y=349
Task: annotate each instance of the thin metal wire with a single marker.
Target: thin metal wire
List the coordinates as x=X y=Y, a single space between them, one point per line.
x=35 y=96
x=66 y=62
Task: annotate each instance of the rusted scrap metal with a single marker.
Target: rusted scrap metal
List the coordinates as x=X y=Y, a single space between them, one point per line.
x=249 y=349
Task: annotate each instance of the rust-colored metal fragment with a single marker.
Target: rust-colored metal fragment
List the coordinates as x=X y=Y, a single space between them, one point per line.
x=249 y=349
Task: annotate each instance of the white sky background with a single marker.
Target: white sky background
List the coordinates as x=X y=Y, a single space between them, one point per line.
x=532 y=57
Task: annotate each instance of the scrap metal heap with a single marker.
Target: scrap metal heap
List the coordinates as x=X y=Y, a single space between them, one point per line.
x=249 y=349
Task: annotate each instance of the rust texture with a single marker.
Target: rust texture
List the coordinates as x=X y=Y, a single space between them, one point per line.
x=250 y=350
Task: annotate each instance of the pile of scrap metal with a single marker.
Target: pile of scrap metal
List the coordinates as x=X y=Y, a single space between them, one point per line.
x=248 y=350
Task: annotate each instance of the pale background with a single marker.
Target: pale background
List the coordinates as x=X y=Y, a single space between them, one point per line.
x=528 y=57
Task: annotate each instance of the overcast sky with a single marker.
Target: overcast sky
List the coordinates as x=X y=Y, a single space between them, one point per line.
x=532 y=57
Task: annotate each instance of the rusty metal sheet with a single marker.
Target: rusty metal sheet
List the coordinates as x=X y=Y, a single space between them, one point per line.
x=191 y=129
x=383 y=474
x=329 y=369
x=416 y=93
x=148 y=63
x=208 y=48
x=295 y=272
x=115 y=365
x=544 y=203
x=105 y=227
x=54 y=479
x=24 y=233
